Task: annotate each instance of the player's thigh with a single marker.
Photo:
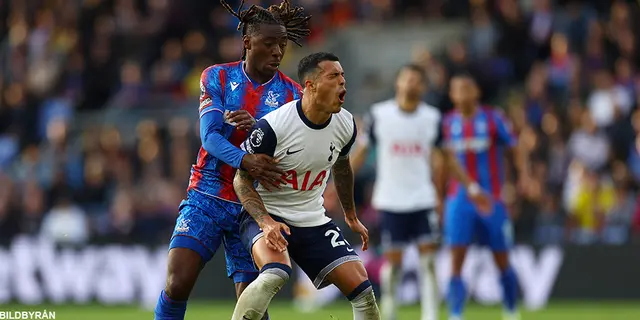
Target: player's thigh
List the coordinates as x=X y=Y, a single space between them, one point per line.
x=320 y=250
x=240 y=266
x=427 y=230
x=196 y=229
x=194 y=241
x=496 y=230
x=459 y=223
x=253 y=240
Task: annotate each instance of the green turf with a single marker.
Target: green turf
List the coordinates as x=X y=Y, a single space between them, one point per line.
x=340 y=311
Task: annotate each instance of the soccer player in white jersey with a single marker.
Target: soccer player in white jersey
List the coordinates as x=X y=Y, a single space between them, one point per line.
x=404 y=131
x=309 y=138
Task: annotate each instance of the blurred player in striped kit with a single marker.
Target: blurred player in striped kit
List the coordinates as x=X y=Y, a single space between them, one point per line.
x=477 y=137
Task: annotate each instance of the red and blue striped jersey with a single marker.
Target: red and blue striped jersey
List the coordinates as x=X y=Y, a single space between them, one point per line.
x=225 y=88
x=479 y=143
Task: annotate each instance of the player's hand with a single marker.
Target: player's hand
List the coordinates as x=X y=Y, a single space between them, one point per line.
x=483 y=202
x=240 y=119
x=356 y=226
x=273 y=234
x=264 y=169
x=480 y=198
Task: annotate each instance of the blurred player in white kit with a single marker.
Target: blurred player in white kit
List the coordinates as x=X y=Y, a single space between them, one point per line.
x=405 y=130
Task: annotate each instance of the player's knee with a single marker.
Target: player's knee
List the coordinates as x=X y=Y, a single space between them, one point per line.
x=427 y=248
x=502 y=260
x=183 y=270
x=177 y=287
x=363 y=299
x=458 y=255
x=394 y=257
x=273 y=277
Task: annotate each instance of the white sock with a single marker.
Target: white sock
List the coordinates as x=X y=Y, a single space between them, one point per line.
x=510 y=315
x=255 y=299
x=365 y=307
x=429 y=301
x=390 y=275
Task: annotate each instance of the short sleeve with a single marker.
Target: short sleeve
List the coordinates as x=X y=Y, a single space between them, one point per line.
x=368 y=137
x=261 y=140
x=211 y=90
x=347 y=147
x=504 y=130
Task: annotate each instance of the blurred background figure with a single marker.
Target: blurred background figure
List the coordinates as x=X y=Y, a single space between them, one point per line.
x=99 y=128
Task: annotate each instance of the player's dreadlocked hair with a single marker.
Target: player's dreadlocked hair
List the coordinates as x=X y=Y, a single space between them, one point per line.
x=292 y=18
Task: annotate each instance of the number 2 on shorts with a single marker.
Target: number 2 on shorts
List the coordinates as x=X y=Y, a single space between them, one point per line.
x=335 y=234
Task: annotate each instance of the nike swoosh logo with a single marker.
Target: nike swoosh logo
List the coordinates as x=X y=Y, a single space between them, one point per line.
x=292 y=152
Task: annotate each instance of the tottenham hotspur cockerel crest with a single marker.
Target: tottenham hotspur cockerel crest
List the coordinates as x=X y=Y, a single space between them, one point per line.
x=332 y=148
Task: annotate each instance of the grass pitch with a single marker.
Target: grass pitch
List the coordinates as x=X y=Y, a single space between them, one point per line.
x=199 y=310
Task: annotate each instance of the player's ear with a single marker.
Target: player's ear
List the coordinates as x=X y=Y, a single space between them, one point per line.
x=246 y=42
x=309 y=84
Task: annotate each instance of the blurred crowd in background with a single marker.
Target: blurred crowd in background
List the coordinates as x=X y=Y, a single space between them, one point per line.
x=565 y=72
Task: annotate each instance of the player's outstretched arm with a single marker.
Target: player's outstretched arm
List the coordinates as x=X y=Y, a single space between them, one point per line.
x=215 y=143
x=243 y=184
x=517 y=151
x=520 y=159
x=212 y=115
x=343 y=180
x=439 y=175
x=249 y=197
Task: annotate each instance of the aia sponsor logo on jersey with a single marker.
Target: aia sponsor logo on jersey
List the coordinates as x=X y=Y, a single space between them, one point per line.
x=306 y=184
x=407 y=149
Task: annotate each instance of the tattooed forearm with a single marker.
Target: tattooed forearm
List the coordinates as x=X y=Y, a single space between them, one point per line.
x=249 y=197
x=343 y=179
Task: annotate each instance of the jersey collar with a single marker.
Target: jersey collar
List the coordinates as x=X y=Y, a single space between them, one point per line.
x=253 y=82
x=306 y=120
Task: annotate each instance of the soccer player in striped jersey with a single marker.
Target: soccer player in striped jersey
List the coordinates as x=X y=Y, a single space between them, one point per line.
x=477 y=137
x=232 y=96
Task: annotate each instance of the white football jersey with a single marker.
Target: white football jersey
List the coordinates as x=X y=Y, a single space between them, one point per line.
x=404 y=142
x=307 y=152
